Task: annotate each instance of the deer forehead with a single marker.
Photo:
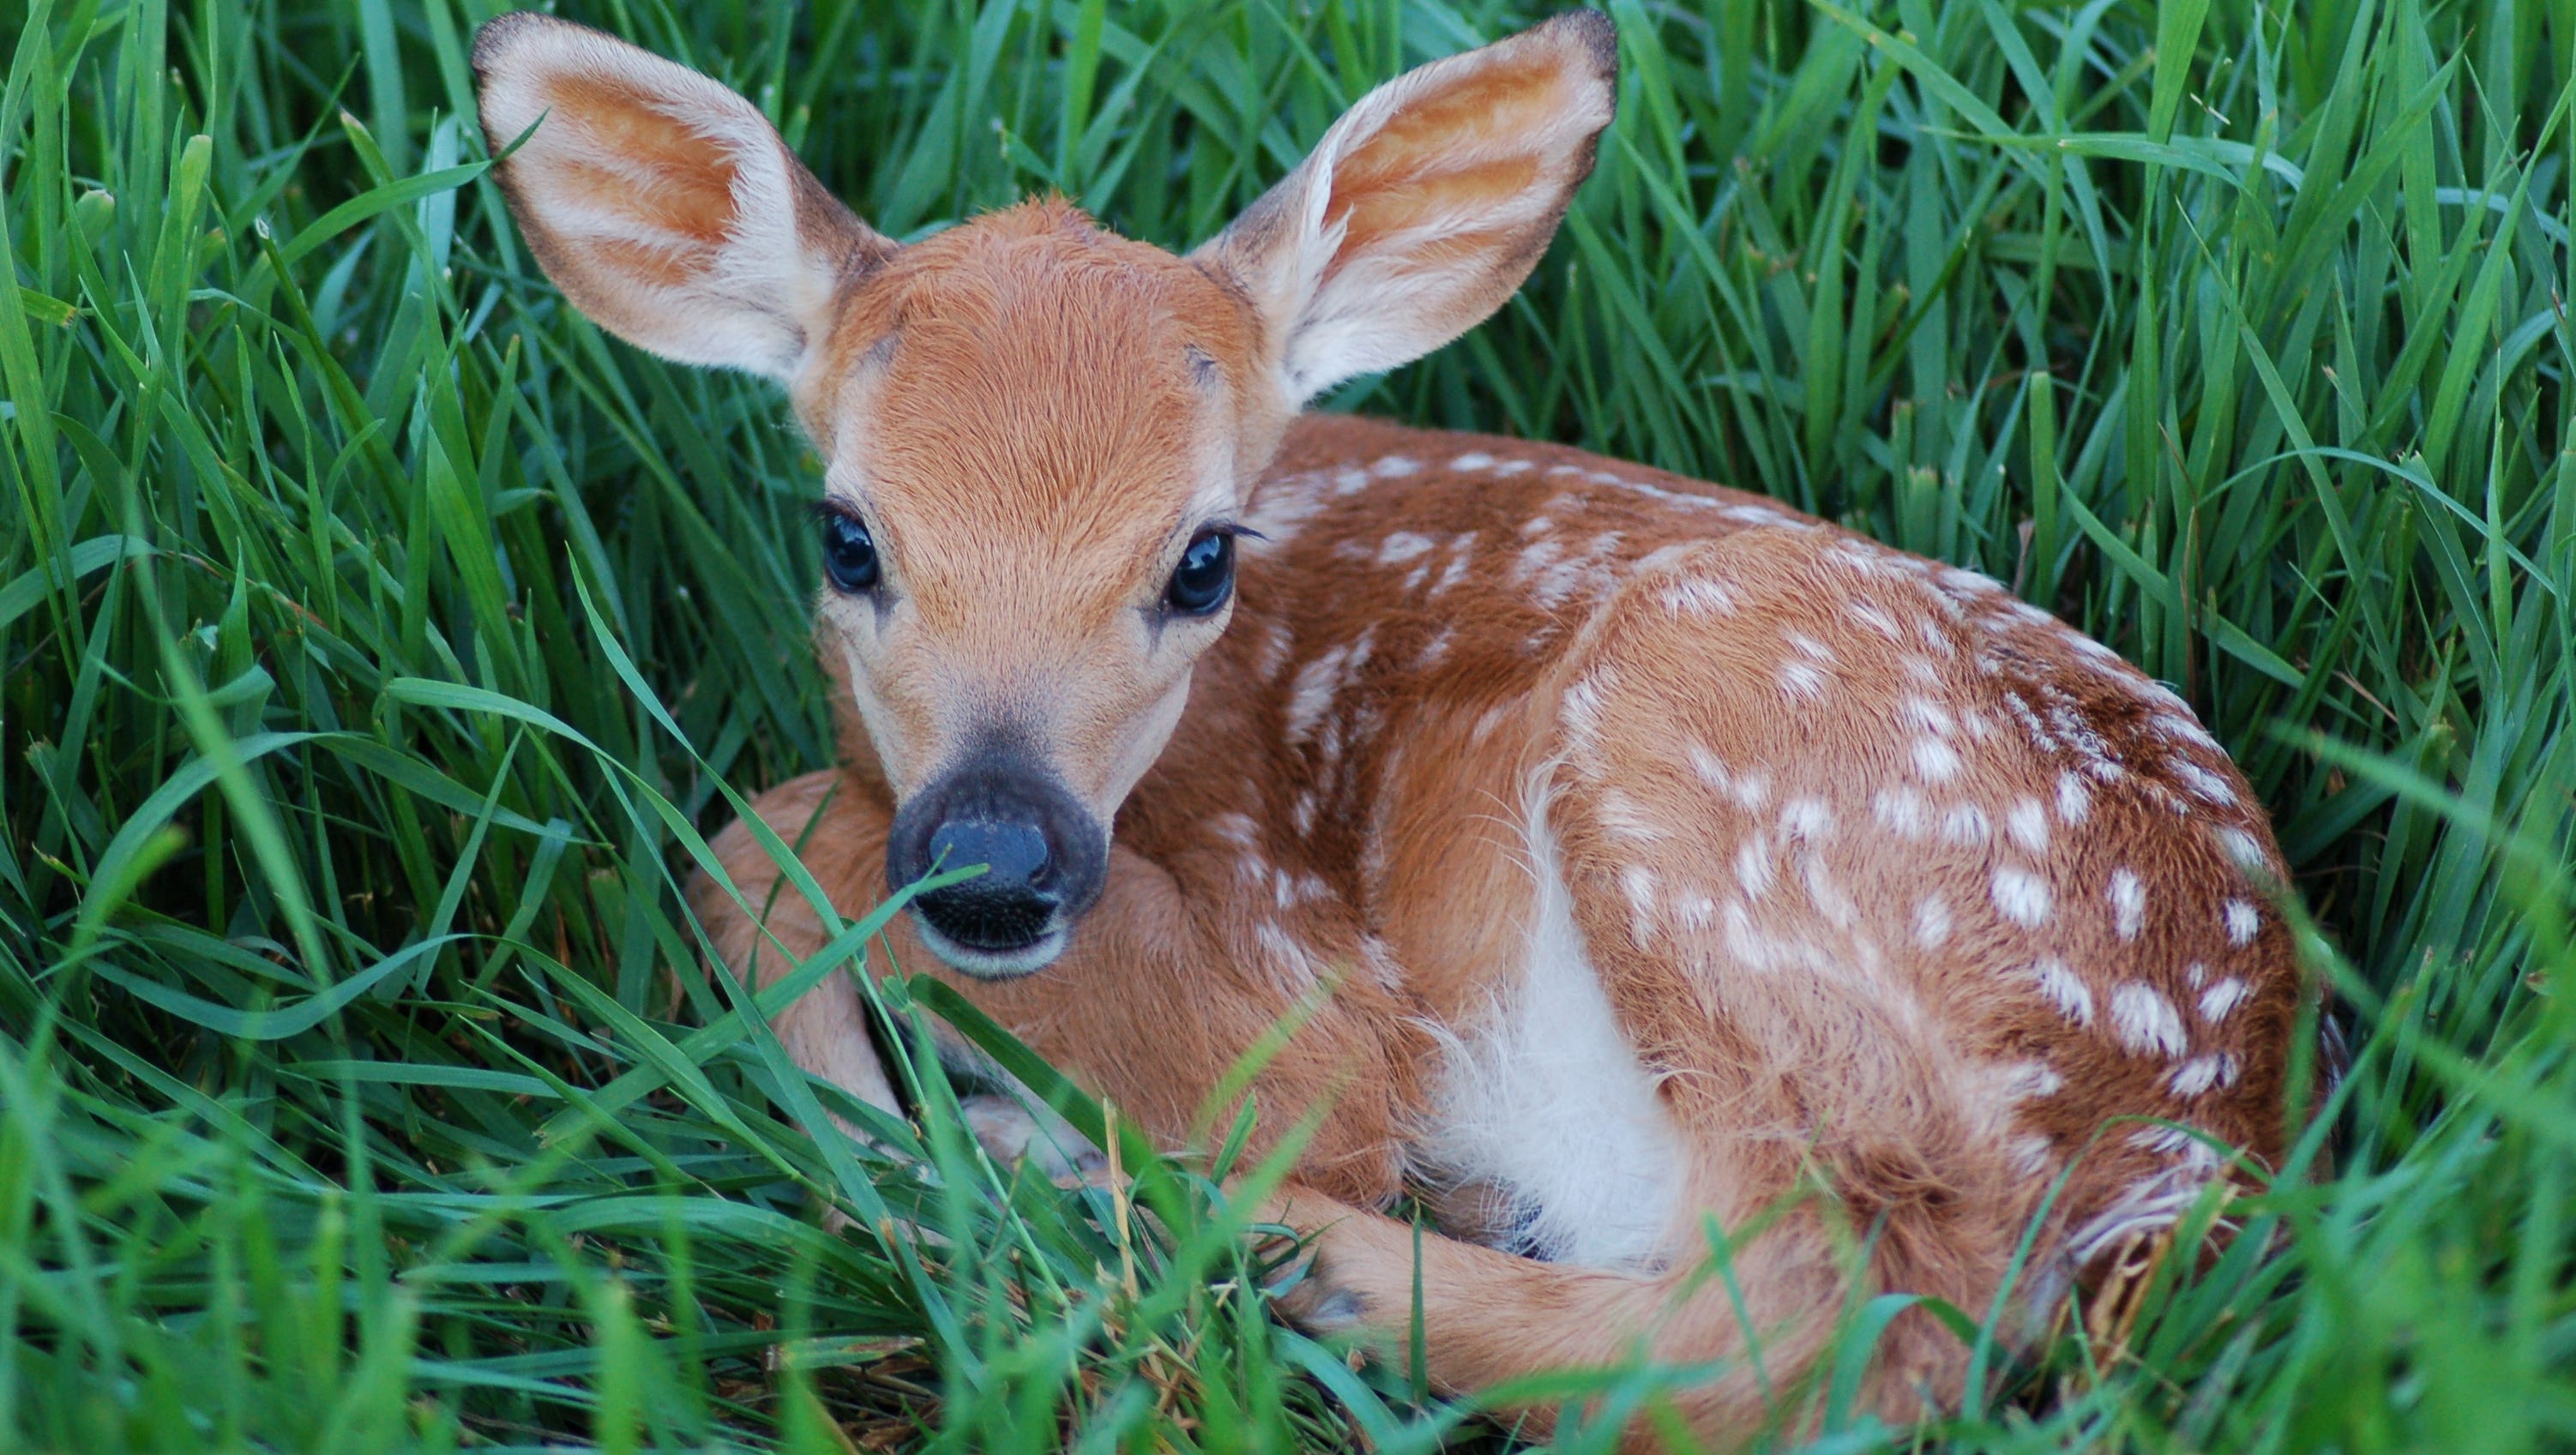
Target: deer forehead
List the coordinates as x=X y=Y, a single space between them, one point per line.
x=1029 y=406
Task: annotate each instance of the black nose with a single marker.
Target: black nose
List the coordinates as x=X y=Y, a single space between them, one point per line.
x=1011 y=853
x=1008 y=905
x=1045 y=855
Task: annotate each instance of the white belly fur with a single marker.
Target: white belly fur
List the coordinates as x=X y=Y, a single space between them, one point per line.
x=1545 y=1100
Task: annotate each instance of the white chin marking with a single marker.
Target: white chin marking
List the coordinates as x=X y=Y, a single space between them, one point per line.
x=994 y=964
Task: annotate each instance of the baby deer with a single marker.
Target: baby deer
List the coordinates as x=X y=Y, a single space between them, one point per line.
x=1658 y=856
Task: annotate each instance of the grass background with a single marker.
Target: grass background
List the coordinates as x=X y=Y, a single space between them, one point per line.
x=377 y=641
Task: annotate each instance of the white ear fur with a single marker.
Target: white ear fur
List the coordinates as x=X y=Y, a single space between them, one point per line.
x=665 y=206
x=1426 y=205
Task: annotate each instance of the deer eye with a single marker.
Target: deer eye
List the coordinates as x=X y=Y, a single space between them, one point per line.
x=1205 y=576
x=849 y=554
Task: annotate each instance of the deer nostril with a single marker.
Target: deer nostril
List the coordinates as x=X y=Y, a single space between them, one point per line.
x=1014 y=854
x=1005 y=907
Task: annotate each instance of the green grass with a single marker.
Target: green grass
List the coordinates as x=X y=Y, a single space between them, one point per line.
x=377 y=642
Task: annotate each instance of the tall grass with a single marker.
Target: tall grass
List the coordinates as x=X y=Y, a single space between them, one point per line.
x=377 y=642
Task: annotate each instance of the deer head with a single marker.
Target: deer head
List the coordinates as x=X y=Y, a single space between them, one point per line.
x=1039 y=438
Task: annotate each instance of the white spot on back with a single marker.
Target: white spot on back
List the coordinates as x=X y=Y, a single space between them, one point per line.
x=2219 y=999
x=2128 y=903
x=1932 y=922
x=2074 y=801
x=1695 y=912
x=1282 y=510
x=2174 y=726
x=1935 y=760
x=1472 y=460
x=2242 y=921
x=2203 y=784
x=1640 y=885
x=1828 y=896
x=1806 y=818
x=2145 y=1022
x=1965 y=824
x=1753 y=864
x=1968 y=582
x=1904 y=810
x=2241 y=847
x=1871 y=617
x=2022 y=896
x=1711 y=768
x=1801 y=681
x=1462 y=548
x=2201 y=1073
x=2019 y=709
x=2027 y=822
x=1401 y=547
x=1748 y=791
x=2174 y=1142
x=1698 y=596
x=1626 y=818
x=2062 y=989
x=1292 y=966
x=1580 y=708
x=1311 y=696
x=1436 y=651
x=2030 y=1080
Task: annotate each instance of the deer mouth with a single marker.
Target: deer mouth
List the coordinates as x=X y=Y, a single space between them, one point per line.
x=984 y=964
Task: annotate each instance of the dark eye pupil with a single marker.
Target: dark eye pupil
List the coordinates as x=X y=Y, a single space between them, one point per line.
x=849 y=554
x=1206 y=573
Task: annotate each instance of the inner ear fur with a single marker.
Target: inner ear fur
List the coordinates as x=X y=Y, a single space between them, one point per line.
x=1426 y=205
x=663 y=204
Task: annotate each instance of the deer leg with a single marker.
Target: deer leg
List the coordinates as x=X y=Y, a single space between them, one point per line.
x=1095 y=1014
x=842 y=831
x=826 y=1029
x=1489 y=1316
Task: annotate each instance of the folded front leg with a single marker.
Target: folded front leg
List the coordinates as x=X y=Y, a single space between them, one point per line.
x=1489 y=1317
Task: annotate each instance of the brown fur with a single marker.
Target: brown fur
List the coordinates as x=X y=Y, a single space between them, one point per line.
x=1900 y=893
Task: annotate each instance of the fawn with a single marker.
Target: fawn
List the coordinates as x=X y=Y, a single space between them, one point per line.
x=1657 y=855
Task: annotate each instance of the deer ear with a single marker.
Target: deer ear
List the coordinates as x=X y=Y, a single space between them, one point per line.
x=664 y=205
x=1426 y=205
